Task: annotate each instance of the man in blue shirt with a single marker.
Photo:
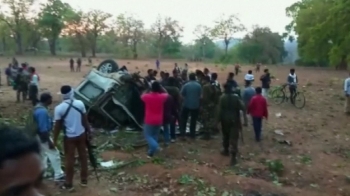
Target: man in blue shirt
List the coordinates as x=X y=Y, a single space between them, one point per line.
x=43 y=122
x=191 y=93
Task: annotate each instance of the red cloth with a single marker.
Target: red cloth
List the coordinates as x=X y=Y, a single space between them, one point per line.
x=154 y=107
x=258 y=106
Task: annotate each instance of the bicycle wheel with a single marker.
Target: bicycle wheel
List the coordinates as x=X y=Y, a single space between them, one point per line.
x=299 y=100
x=278 y=96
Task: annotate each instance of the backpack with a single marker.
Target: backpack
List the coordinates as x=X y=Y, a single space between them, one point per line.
x=31 y=125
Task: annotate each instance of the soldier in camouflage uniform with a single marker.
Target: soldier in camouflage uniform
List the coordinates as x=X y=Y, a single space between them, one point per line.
x=217 y=94
x=228 y=115
x=22 y=81
x=208 y=106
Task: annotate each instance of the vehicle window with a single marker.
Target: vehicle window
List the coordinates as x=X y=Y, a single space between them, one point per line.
x=91 y=90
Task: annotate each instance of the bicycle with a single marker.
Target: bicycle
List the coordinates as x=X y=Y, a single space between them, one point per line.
x=279 y=95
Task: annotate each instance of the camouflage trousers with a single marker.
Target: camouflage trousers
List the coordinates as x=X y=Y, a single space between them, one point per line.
x=22 y=92
x=230 y=136
x=208 y=119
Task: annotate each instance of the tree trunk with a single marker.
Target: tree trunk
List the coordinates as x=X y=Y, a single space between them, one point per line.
x=93 y=51
x=18 y=40
x=227 y=42
x=159 y=53
x=343 y=65
x=52 y=46
x=203 y=51
x=93 y=47
x=4 y=44
x=82 y=45
x=134 y=50
x=83 y=52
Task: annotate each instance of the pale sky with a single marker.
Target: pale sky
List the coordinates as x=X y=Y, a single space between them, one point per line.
x=190 y=13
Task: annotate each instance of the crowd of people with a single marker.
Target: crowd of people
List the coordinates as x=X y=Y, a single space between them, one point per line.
x=24 y=80
x=171 y=101
x=199 y=96
x=24 y=159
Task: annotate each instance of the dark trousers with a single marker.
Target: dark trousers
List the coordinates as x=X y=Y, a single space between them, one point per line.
x=230 y=136
x=33 y=94
x=70 y=146
x=257 y=124
x=292 y=90
x=173 y=128
x=185 y=113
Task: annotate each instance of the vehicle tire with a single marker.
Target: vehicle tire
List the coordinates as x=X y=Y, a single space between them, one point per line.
x=278 y=96
x=299 y=100
x=108 y=66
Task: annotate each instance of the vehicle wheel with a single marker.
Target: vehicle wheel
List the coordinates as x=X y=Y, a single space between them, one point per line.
x=299 y=100
x=278 y=96
x=108 y=66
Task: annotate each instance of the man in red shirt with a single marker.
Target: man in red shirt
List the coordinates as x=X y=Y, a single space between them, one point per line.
x=258 y=110
x=154 y=108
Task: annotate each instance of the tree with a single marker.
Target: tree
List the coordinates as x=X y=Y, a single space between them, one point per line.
x=131 y=31
x=96 y=23
x=202 y=33
x=166 y=30
x=5 y=34
x=77 y=27
x=52 y=19
x=225 y=29
x=322 y=29
x=32 y=36
x=261 y=45
x=16 y=19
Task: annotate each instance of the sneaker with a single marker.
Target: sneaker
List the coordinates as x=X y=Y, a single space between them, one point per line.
x=149 y=156
x=67 y=187
x=172 y=140
x=60 y=179
x=83 y=183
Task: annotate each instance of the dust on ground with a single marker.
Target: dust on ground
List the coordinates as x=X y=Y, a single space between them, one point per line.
x=316 y=162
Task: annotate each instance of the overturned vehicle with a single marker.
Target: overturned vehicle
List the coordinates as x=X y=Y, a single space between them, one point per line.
x=112 y=97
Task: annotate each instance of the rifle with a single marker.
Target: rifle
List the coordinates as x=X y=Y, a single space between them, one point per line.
x=242 y=139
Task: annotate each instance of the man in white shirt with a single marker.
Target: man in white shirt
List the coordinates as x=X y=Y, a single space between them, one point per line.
x=249 y=77
x=70 y=115
x=33 y=86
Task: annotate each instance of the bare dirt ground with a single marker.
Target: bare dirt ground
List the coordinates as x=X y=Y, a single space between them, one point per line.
x=315 y=164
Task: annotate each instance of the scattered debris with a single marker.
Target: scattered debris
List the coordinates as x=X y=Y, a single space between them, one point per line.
x=107 y=164
x=279 y=132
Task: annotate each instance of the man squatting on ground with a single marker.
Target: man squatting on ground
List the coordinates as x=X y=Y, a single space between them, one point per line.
x=70 y=115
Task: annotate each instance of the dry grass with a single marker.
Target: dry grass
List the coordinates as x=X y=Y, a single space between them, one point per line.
x=316 y=164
